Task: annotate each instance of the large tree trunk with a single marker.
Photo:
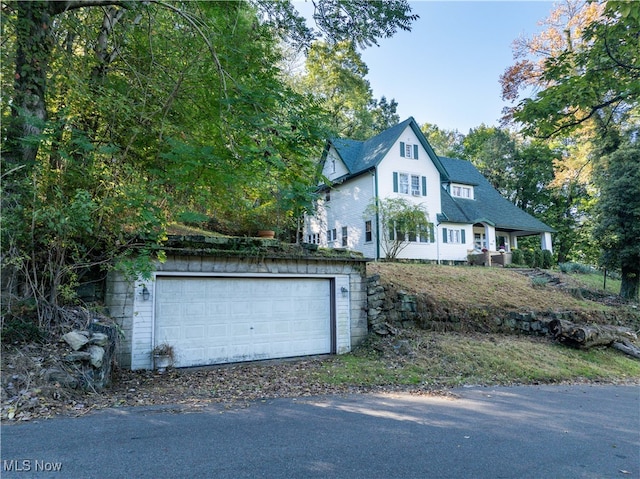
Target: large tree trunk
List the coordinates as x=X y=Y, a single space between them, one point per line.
x=630 y=282
x=33 y=50
x=585 y=336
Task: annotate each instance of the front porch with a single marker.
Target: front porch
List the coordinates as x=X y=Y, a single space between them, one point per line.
x=493 y=246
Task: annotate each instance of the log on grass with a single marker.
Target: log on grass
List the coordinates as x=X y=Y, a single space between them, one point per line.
x=589 y=335
x=627 y=347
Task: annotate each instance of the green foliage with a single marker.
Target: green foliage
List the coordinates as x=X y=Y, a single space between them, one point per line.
x=618 y=227
x=575 y=268
x=537 y=258
x=397 y=218
x=517 y=257
x=122 y=118
x=335 y=76
x=444 y=142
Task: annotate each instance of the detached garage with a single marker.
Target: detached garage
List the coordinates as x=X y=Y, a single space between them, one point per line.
x=231 y=319
x=223 y=308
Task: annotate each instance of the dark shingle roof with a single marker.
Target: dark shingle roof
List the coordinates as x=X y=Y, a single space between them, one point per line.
x=360 y=156
x=488 y=205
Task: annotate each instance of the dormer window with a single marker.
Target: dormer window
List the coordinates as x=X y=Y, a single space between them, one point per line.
x=462 y=191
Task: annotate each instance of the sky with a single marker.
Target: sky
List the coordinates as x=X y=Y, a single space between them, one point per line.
x=446 y=70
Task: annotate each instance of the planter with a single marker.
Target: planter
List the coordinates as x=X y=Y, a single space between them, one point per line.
x=266 y=234
x=161 y=362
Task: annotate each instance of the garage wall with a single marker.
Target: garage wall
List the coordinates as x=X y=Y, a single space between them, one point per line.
x=136 y=315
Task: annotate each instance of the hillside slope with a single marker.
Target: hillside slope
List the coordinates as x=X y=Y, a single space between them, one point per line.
x=494 y=288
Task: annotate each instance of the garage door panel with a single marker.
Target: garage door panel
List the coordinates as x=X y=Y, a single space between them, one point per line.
x=218 y=320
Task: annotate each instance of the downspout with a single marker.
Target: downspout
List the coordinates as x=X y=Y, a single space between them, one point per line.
x=375 y=188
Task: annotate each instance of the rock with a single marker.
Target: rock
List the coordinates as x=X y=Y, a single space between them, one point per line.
x=97 y=354
x=99 y=339
x=57 y=375
x=75 y=339
x=78 y=356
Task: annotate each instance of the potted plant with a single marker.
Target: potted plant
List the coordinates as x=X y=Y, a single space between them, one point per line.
x=163 y=356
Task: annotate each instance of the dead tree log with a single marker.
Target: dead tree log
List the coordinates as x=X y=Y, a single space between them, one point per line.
x=585 y=336
x=627 y=347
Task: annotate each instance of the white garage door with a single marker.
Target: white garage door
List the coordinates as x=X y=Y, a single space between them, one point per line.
x=222 y=320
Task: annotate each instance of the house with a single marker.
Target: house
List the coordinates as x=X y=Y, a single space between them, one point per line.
x=466 y=213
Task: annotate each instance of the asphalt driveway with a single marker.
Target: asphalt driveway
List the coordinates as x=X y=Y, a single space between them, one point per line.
x=554 y=432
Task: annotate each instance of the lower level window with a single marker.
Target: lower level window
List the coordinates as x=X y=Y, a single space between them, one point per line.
x=450 y=235
x=313 y=238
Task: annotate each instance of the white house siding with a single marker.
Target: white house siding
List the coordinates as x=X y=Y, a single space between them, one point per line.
x=454 y=251
x=136 y=316
x=423 y=166
x=333 y=160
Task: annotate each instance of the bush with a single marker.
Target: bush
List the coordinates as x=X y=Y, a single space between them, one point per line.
x=537 y=258
x=18 y=331
x=20 y=323
x=517 y=257
x=575 y=268
x=528 y=258
x=547 y=259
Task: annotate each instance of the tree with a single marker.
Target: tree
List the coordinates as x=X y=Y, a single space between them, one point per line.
x=595 y=84
x=399 y=220
x=122 y=116
x=447 y=143
x=493 y=150
x=618 y=226
x=335 y=76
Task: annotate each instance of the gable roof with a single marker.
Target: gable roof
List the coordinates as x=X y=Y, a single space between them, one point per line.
x=489 y=205
x=360 y=156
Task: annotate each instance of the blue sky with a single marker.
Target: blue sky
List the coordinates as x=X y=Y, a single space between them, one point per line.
x=446 y=70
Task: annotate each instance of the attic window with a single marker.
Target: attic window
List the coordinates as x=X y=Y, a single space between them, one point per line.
x=332 y=165
x=407 y=150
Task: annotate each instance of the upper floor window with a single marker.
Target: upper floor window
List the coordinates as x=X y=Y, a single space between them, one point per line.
x=406 y=184
x=460 y=191
x=345 y=236
x=408 y=150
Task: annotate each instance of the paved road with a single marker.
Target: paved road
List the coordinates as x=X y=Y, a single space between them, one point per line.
x=486 y=433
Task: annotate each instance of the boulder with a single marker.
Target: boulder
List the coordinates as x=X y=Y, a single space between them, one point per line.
x=78 y=356
x=99 y=339
x=97 y=355
x=57 y=375
x=75 y=339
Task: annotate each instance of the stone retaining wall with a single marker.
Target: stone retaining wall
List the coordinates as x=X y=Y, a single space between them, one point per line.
x=390 y=308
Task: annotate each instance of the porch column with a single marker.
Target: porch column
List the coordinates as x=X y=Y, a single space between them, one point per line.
x=545 y=242
x=490 y=237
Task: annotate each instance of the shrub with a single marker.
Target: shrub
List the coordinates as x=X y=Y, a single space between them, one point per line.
x=575 y=268
x=528 y=258
x=547 y=259
x=537 y=258
x=517 y=257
